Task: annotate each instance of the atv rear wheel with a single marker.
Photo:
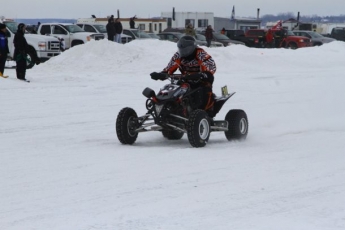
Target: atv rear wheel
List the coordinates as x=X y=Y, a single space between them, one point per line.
x=126 y=124
x=172 y=134
x=198 y=128
x=237 y=125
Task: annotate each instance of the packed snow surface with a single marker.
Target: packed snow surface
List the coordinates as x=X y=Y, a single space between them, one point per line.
x=63 y=168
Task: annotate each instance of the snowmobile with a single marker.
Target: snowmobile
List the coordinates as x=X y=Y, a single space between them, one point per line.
x=174 y=112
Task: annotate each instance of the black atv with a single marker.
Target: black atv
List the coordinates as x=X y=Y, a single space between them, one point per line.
x=173 y=111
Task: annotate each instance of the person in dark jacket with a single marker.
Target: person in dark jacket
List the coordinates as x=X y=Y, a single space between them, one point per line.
x=132 y=22
x=3 y=49
x=21 y=50
x=118 y=30
x=209 y=35
x=111 y=28
x=198 y=68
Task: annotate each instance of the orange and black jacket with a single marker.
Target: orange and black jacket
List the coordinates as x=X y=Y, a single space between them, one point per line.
x=201 y=63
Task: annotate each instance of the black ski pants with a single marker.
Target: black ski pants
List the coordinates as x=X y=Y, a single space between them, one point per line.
x=3 y=59
x=21 y=68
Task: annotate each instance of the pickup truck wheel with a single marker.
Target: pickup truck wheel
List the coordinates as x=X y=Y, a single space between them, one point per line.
x=31 y=58
x=292 y=46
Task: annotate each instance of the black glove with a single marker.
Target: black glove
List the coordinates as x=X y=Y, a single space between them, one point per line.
x=159 y=76
x=196 y=76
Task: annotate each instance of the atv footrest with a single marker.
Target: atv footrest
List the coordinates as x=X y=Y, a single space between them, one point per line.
x=219 y=126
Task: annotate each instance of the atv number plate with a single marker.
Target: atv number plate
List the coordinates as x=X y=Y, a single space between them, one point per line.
x=224 y=91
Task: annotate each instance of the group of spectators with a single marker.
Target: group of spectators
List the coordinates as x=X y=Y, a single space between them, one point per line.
x=114 y=29
x=21 y=50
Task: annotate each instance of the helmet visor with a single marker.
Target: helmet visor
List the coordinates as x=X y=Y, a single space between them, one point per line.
x=185 y=48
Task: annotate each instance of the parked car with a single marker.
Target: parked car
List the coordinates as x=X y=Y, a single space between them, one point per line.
x=71 y=34
x=338 y=33
x=293 y=42
x=136 y=34
x=218 y=37
x=256 y=39
x=316 y=38
x=100 y=28
x=175 y=36
x=201 y=37
x=153 y=35
x=286 y=40
x=233 y=34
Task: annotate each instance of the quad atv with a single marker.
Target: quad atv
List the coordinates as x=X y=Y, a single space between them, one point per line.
x=173 y=112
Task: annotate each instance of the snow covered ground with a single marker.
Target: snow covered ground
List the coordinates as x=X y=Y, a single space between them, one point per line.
x=62 y=167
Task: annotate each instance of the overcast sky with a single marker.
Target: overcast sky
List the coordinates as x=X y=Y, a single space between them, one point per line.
x=143 y=9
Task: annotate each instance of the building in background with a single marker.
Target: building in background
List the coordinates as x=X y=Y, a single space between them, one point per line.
x=197 y=19
x=150 y=25
x=236 y=23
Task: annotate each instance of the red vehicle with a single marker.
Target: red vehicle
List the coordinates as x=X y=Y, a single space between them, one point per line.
x=257 y=37
x=290 y=40
x=282 y=38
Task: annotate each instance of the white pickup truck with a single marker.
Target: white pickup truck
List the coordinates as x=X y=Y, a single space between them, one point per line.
x=70 y=33
x=43 y=47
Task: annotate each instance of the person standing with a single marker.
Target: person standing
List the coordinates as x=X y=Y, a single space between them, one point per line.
x=223 y=31
x=4 y=50
x=36 y=27
x=190 y=30
x=111 y=28
x=118 y=30
x=209 y=35
x=269 y=39
x=132 y=22
x=20 y=52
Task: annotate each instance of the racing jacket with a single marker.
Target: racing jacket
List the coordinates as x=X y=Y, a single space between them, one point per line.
x=202 y=62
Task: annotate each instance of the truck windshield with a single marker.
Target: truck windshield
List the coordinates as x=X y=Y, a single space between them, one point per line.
x=101 y=28
x=73 y=28
x=12 y=26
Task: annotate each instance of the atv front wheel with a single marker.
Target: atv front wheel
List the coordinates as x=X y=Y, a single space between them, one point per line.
x=237 y=125
x=126 y=124
x=198 y=128
x=172 y=134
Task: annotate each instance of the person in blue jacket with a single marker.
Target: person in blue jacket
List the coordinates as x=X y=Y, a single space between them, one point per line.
x=3 y=49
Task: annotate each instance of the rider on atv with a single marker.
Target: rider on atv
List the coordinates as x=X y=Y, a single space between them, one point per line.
x=197 y=66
